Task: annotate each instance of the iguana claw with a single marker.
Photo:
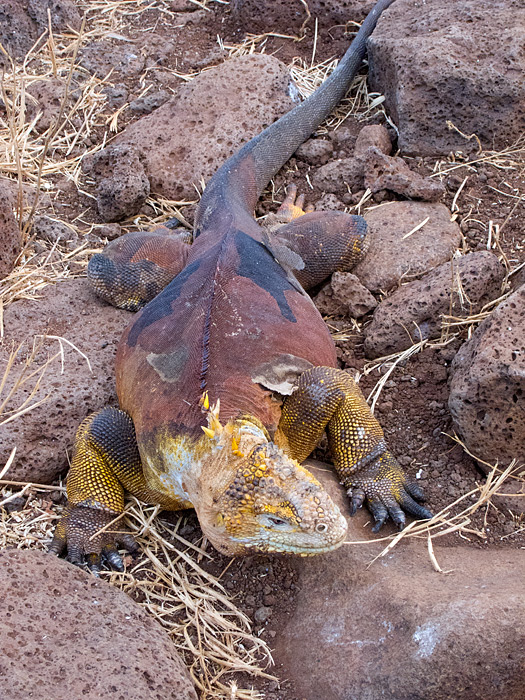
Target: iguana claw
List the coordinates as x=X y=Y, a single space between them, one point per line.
x=81 y=531
x=388 y=493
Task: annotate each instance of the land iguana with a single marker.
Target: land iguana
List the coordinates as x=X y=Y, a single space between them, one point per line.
x=227 y=377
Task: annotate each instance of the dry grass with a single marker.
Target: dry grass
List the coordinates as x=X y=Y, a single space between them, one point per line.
x=359 y=101
x=214 y=637
x=457 y=516
x=191 y=604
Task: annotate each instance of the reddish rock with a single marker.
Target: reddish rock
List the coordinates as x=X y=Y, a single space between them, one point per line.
x=123 y=185
x=438 y=62
x=315 y=151
x=105 y=56
x=23 y=21
x=329 y=202
x=188 y=137
x=393 y=255
x=44 y=435
x=146 y=104
x=400 y=630
x=487 y=388
x=17 y=31
x=372 y=136
x=66 y=634
x=339 y=175
x=53 y=231
x=385 y=173
x=64 y=14
x=415 y=310
x=10 y=237
x=48 y=95
x=344 y=294
x=289 y=15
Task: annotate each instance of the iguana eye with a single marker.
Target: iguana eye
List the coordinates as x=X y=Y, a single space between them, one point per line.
x=276 y=521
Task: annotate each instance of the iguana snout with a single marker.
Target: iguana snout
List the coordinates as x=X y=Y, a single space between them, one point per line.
x=270 y=503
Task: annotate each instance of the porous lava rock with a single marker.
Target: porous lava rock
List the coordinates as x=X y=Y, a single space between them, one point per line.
x=17 y=31
x=339 y=175
x=487 y=387
x=23 y=21
x=315 y=151
x=329 y=202
x=372 y=136
x=383 y=172
x=48 y=95
x=10 y=238
x=290 y=15
x=438 y=63
x=44 y=435
x=415 y=311
x=396 y=252
x=348 y=173
x=188 y=137
x=123 y=185
x=50 y=230
x=66 y=634
x=64 y=14
x=398 y=629
x=344 y=294
x=118 y=58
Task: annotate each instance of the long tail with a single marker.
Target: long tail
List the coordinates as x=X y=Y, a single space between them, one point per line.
x=243 y=177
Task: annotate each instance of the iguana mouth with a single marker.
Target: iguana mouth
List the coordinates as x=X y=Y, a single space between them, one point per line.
x=300 y=550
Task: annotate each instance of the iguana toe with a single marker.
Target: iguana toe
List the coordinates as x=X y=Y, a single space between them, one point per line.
x=83 y=531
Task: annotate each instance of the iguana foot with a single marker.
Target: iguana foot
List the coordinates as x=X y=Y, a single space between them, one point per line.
x=328 y=398
x=388 y=492
x=325 y=241
x=134 y=268
x=293 y=206
x=105 y=461
x=82 y=532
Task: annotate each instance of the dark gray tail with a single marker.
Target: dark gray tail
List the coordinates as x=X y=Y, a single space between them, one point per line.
x=243 y=177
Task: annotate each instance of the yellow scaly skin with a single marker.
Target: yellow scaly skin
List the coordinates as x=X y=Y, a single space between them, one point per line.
x=328 y=399
x=250 y=494
x=242 y=289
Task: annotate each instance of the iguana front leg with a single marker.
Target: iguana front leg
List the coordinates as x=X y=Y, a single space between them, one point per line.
x=105 y=462
x=328 y=398
x=326 y=241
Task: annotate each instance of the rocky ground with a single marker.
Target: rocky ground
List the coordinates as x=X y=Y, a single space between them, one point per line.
x=431 y=319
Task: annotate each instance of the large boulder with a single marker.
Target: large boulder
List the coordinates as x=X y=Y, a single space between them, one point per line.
x=415 y=311
x=66 y=634
x=487 y=388
x=69 y=390
x=290 y=15
x=398 y=629
x=459 y=62
x=186 y=139
x=399 y=252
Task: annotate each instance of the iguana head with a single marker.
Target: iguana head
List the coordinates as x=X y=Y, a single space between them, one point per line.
x=254 y=498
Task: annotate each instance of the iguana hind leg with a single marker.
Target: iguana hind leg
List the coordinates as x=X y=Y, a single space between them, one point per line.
x=328 y=398
x=134 y=268
x=326 y=241
x=106 y=462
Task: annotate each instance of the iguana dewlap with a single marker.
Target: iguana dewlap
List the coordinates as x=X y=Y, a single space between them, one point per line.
x=228 y=377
